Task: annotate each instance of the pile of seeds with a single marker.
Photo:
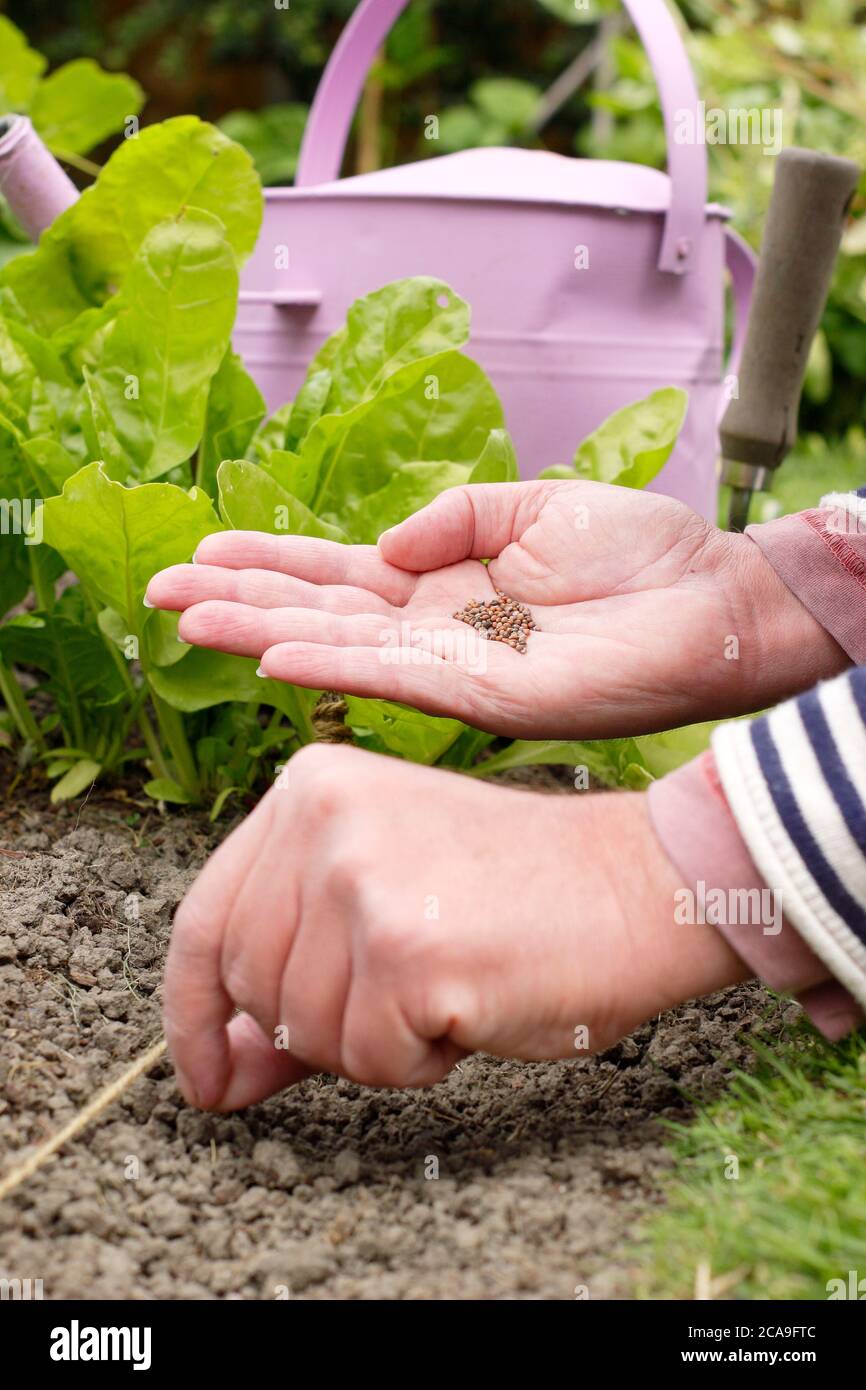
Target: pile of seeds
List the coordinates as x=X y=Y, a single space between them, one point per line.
x=502 y=619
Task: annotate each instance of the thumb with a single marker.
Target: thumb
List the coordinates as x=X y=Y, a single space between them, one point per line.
x=471 y=522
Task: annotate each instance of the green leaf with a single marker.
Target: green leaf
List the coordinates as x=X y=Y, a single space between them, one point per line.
x=498 y=461
x=408 y=489
x=664 y=753
x=307 y=408
x=270 y=435
x=20 y=68
x=220 y=800
x=251 y=499
x=394 y=327
x=205 y=678
x=14 y=573
x=59 y=387
x=508 y=100
x=80 y=105
x=79 y=777
x=164 y=647
x=165 y=789
x=235 y=408
x=149 y=388
x=438 y=409
x=272 y=136
x=397 y=729
x=634 y=444
x=158 y=174
x=115 y=538
x=609 y=760
x=73 y=655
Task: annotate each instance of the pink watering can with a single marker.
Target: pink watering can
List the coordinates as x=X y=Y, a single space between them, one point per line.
x=591 y=283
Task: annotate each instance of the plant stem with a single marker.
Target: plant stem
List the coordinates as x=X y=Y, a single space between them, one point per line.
x=297 y=712
x=42 y=586
x=16 y=703
x=148 y=733
x=171 y=727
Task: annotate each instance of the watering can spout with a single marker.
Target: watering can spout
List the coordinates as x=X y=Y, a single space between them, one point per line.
x=32 y=182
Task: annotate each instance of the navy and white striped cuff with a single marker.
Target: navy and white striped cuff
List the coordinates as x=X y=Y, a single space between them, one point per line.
x=795 y=781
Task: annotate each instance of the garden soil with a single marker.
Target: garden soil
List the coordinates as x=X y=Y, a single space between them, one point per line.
x=507 y=1180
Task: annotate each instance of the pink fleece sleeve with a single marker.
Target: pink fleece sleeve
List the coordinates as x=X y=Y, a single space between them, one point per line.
x=821 y=556
x=691 y=817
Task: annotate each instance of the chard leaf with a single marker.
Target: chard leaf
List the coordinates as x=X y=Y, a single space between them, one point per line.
x=20 y=68
x=251 y=499
x=79 y=777
x=633 y=445
x=14 y=573
x=438 y=409
x=665 y=752
x=49 y=463
x=149 y=389
x=59 y=388
x=83 y=257
x=164 y=647
x=400 y=730
x=166 y=789
x=395 y=327
x=616 y=762
x=72 y=655
x=271 y=435
x=409 y=489
x=235 y=408
x=115 y=538
x=205 y=678
x=498 y=461
x=308 y=407
x=80 y=104
x=293 y=472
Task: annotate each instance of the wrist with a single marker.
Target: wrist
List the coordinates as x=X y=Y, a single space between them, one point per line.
x=783 y=649
x=655 y=960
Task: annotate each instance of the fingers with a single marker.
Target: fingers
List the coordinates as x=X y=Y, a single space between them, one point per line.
x=307 y=557
x=475 y=522
x=423 y=680
x=257 y=1068
x=380 y=1045
x=199 y=999
x=180 y=586
x=244 y=631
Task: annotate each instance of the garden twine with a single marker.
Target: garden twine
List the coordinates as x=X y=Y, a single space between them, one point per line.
x=106 y=1097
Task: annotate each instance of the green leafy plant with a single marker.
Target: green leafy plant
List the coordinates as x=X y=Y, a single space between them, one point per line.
x=272 y=136
x=73 y=108
x=130 y=430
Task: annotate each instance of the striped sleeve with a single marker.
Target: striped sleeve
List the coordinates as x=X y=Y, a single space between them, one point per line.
x=795 y=782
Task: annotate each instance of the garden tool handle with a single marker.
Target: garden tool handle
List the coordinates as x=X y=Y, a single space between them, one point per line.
x=342 y=82
x=811 y=197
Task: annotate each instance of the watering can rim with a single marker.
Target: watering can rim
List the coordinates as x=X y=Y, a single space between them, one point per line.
x=413 y=181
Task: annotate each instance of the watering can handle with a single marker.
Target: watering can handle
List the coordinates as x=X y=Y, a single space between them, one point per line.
x=343 y=79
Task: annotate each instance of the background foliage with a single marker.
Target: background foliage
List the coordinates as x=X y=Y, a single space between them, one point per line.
x=539 y=73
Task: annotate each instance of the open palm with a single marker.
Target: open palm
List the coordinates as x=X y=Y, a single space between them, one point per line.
x=635 y=596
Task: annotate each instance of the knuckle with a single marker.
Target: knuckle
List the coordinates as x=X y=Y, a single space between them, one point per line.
x=390 y=942
x=354 y=876
x=205 y=619
x=321 y=776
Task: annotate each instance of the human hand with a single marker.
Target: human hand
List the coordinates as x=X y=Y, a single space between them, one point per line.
x=650 y=618
x=392 y=918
